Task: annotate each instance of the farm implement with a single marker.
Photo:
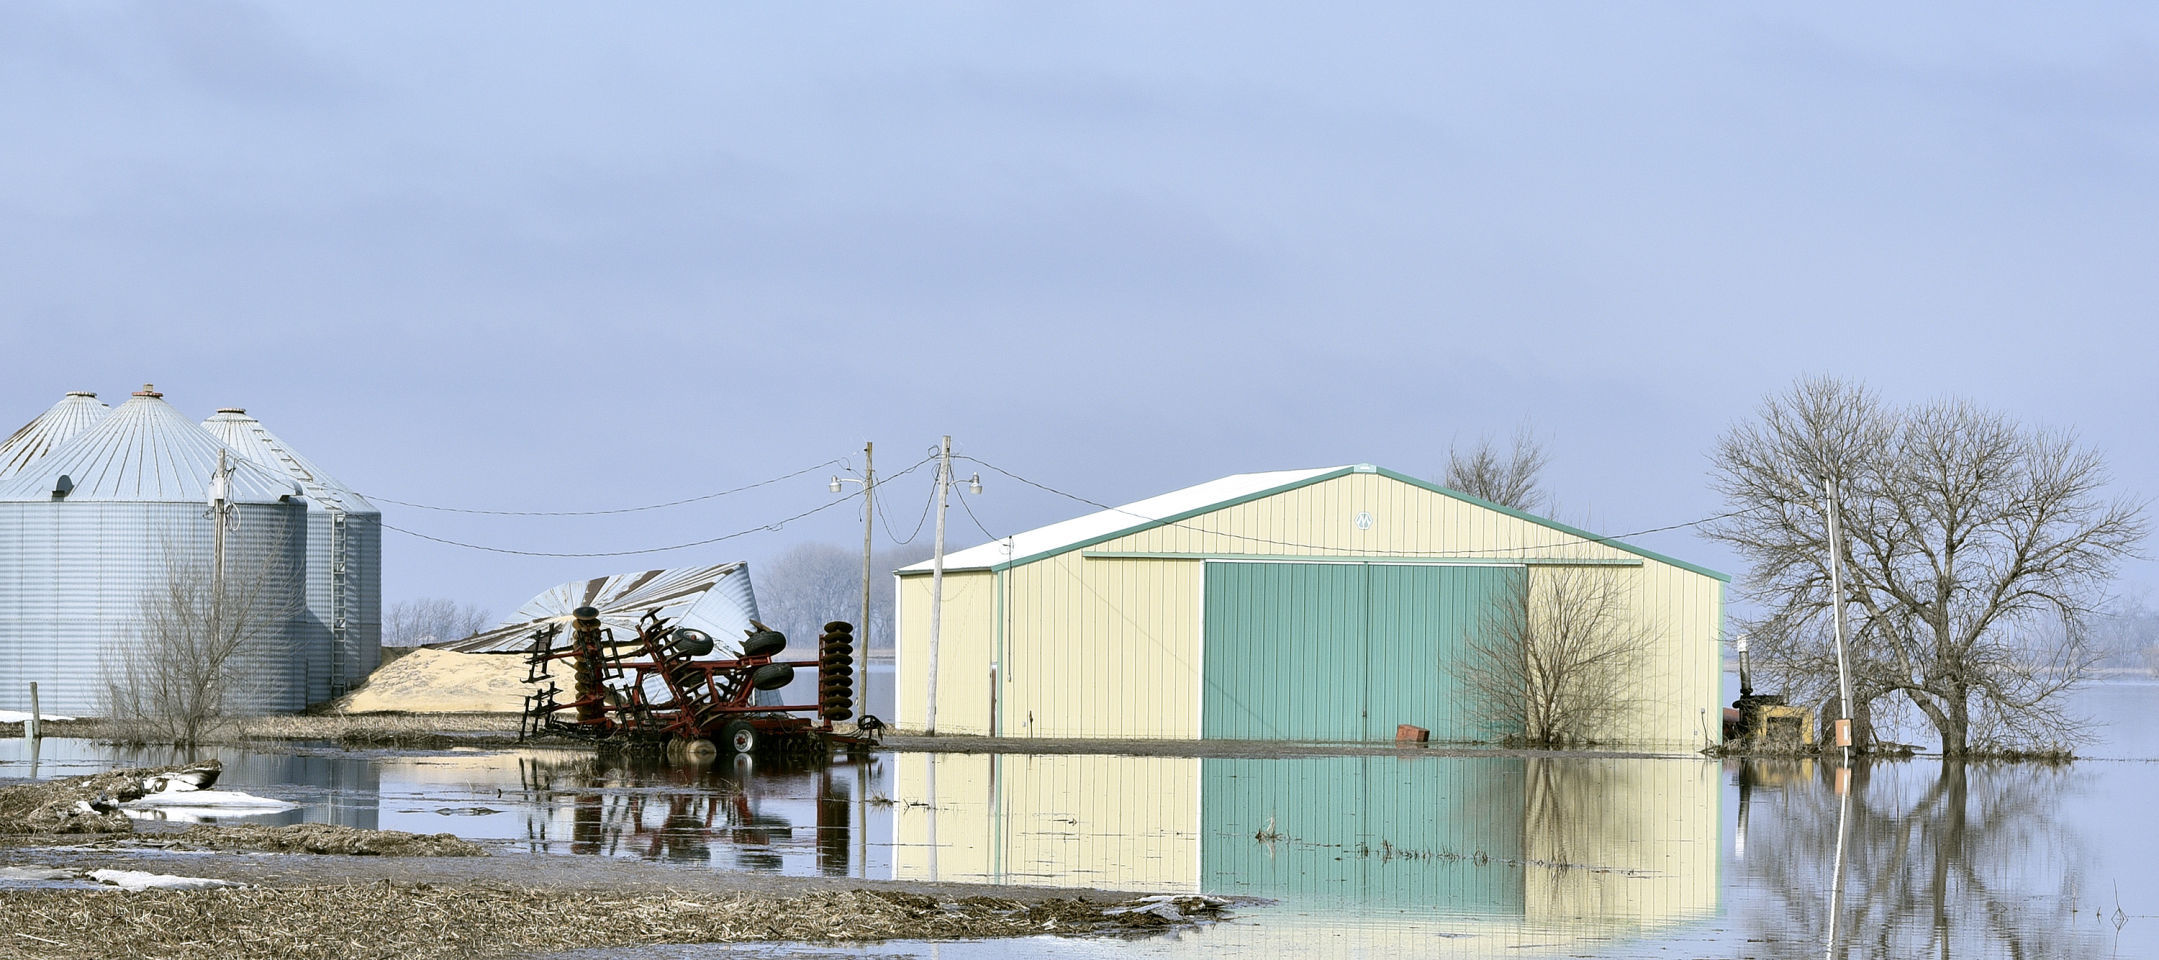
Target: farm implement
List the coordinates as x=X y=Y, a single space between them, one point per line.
x=656 y=690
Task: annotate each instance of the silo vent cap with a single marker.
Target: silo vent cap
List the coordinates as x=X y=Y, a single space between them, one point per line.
x=148 y=390
x=238 y=410
x=92 y=394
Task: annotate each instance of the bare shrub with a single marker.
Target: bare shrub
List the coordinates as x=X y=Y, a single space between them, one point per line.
x=173 y=682
x=1559 y=658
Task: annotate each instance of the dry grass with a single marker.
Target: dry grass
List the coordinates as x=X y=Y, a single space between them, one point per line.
x=51 y=806
x=397 y=730
x=420 y=921
x=326 y=838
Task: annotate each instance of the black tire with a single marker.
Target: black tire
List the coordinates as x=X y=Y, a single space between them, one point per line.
x=772 y=676
x=691 y=643
x=839 y=626
x=740 y=737
x=764 y=643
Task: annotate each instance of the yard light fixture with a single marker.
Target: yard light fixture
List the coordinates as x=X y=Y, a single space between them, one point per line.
x=974 y=484
x=835 y=485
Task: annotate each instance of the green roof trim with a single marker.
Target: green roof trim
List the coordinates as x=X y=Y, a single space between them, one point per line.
x=1337 y=474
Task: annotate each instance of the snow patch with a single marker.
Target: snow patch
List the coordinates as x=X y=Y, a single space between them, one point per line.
x=23 y=716
x=136 y=881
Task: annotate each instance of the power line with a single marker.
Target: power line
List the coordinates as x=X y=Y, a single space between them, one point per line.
x=971 y=515
x=597 y=513
x=927 y=503
x=772 y=526
x=775 y=525
x=1312 y=546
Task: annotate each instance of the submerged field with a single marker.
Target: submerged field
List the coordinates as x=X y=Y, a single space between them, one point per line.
x=1357 y=851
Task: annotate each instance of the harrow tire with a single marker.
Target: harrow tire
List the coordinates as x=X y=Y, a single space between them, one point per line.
x=740 y=737
x=695 y=753
x=772 y=676
x=764 y=643
x=839 y=626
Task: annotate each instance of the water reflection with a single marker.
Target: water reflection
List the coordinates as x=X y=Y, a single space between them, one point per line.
x=1940 y=859
x=1627 y=844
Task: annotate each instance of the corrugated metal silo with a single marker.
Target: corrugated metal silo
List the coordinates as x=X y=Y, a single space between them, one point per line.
x=344 y=559
x=116 y=513
x=74 y=413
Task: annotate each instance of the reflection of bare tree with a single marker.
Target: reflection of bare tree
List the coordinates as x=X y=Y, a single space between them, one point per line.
x=1939 y=861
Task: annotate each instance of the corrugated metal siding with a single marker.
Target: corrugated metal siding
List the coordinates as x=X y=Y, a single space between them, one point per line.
x=1421 y=620
x=74 y=576
x=1342 y=651
x=1285 y=651
x=1111 y=647
x=965 y=645
x=344 y=568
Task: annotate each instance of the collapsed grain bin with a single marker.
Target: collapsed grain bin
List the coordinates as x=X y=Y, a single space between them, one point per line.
x=716 y=599
x=76 y=412
x=342 y=639
x=116 y=516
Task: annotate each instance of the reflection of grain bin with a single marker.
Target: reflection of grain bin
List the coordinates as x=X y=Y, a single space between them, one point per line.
x=344 y=559
x=117 y=511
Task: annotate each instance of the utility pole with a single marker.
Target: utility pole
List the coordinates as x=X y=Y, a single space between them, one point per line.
x=220 y=507
x=937 y=579
x=1832 y=491
x=869 y=526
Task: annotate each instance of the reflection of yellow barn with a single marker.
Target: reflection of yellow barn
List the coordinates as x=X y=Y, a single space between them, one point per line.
x=1327 y=604
x=1464 y=856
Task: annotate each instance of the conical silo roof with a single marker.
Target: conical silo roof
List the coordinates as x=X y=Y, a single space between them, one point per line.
x=144 y=450
x=74 y=413
x=255 y=442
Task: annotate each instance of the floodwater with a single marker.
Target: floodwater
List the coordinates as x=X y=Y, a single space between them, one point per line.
x=1404 y=855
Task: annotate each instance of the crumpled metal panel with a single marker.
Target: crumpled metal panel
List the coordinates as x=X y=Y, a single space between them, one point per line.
x=144 y=451
x=76 y=412
x=716 y=599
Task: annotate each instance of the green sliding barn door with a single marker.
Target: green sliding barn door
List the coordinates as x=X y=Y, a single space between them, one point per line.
x=1341 y=651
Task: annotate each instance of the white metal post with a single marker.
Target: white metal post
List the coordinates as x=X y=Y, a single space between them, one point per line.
x=869 y=526
x=1832 y=491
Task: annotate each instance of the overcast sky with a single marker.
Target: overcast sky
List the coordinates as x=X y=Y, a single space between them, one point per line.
x=542 y=257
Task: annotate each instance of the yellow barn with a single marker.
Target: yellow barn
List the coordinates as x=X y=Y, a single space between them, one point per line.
x=1313 y=605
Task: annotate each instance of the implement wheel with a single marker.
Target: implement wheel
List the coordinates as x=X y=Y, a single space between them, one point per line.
x=740 y=737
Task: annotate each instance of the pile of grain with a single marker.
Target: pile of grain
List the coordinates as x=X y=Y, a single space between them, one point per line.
x=439 y=681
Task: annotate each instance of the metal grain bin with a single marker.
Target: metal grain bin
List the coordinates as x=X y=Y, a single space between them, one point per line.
x=74 y=413
x=343 y=632
x=119 y=512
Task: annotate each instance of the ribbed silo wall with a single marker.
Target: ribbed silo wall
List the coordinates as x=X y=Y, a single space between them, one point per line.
x=356 y=566
x=364 y=570
x=74 y=577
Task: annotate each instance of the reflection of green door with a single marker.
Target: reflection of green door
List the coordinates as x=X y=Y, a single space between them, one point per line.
x=1341 y=651
x=1442 y=833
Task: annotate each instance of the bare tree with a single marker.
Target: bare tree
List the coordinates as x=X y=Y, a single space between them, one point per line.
x=1976 y=551
x=171 y=684
x=1509 y=479
x=812 y=583
x=1558 y=658
x=413 y=623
